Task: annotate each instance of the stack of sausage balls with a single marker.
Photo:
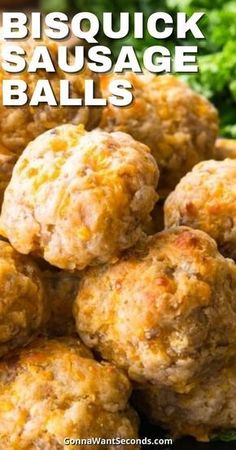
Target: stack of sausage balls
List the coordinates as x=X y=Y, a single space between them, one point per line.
x=102 y=292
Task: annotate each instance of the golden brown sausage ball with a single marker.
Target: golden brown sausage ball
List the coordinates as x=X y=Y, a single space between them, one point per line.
x=179 y=125
x=7 y=162
x=165 y=312
x=62 y=288
x=204 y=412
x=22 y=299
x=225 y=148
x=20 y=125
x=54 y=389
x=79 y=198
x=206 y=199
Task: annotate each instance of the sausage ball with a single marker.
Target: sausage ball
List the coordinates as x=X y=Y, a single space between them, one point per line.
x=206 y=199
x=54 y=389
x=20 y=125
x=62 y=288
x=22 y=299
x=204 y=412
x=79 y=198
x=7 y=162
x=179 y=125
x=165 y=312
x=225 y=148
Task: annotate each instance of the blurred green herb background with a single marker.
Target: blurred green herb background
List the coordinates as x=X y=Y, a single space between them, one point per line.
x=217 y=53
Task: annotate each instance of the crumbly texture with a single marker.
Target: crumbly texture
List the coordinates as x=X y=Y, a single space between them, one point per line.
x=165 y=312
x=20 y=125
x=54 y=389
x=62 y=288
x=7 y=162
x=22 y=299
x=202 y=413
x=206 y=199
x=225 y=148
x=179 y=125
x=79 y=198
